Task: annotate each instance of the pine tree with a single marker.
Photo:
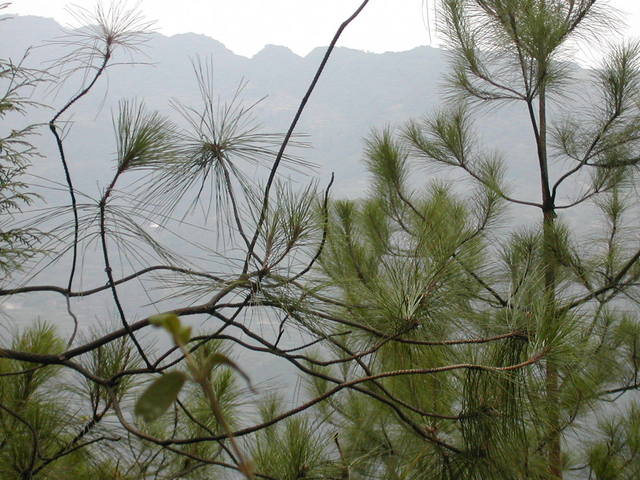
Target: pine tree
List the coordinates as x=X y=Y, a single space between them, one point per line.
x=497 y=349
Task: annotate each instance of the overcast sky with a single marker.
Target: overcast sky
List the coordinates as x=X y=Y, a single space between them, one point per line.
x=245 y=26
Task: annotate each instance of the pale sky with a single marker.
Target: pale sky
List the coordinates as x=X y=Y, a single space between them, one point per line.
x=245 y=26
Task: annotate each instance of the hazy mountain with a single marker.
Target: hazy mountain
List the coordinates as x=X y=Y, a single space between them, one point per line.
x=358 y=91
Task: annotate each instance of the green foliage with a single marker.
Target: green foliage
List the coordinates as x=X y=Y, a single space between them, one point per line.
x=436 y=340
x=427 y=263
x=144 y=140
x=17 y=243
x=614 y=454
x=292 y=451
x=36 y=418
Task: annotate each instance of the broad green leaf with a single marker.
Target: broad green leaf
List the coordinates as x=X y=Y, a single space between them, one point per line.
x=160 y=396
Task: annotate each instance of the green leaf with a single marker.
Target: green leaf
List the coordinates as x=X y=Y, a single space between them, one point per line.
x=169 y=321
x=221 y=359
x=184 y=335
x=160 y=396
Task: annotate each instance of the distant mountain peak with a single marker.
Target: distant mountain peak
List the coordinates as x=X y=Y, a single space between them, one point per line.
x=275 y=51
x=33 y=19
x=198 y=39
x=345 y=52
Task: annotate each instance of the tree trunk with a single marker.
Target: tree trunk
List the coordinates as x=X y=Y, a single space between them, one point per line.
x=554 y=451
